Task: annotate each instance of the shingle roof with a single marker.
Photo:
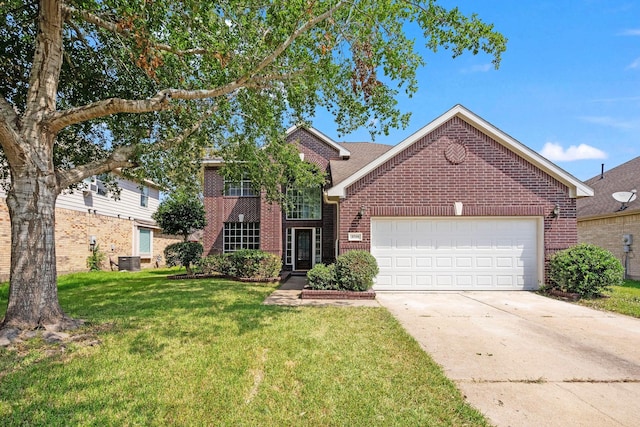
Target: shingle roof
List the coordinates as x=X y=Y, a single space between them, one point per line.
x=625 y=177
x=362 y=153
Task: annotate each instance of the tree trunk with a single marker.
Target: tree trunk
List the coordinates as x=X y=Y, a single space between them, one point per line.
x=33 y=292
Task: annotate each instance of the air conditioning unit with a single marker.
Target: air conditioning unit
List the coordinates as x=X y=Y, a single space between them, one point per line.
x=627 y=239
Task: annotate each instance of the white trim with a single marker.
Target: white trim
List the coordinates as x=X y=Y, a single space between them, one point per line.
x=343 y=152
x=576 y=187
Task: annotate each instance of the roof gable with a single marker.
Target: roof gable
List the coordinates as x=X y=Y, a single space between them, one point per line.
x=342 y=152
x=576 y=187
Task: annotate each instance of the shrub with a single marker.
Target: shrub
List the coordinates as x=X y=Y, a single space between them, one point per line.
x=322 y=277
x=585 y=269
x=214 y=264
x=253 y=264
x=355 y=270
x=96 y=259
x=183 y=253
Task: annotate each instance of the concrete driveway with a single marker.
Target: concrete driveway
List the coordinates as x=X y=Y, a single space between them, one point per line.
x=526 y=360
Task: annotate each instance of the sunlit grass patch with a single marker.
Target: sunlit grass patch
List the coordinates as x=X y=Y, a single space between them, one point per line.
x=208 y=352
x=620 y=299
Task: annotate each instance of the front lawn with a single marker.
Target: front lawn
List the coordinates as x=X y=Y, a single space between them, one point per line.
x=623 y=299
x=207 y=352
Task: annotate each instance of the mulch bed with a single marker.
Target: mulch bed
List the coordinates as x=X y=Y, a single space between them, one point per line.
x=569 y=296
x=322 y=294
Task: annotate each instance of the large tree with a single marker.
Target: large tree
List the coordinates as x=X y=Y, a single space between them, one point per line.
x=89 y=86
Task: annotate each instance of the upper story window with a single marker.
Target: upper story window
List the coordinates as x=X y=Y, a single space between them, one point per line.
x=243 y=188
x=144 y=196
x=101 y=185
x=305 y=203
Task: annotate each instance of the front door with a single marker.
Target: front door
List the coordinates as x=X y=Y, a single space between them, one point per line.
x=303 y=249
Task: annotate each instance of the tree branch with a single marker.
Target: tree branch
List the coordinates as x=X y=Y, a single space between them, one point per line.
x=119 y=158
x=47 y=62
x=61 y=119
x=172 y=142
x=115 y=28
x=297 y=33
x=9 y=134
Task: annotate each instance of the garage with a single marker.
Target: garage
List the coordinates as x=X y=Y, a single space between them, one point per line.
x=418 y=254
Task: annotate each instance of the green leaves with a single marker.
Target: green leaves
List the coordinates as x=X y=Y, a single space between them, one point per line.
x=585 y=269
x=354 y=62
x=180 y=214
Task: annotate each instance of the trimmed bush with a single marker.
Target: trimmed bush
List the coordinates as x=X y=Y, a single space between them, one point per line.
x=253 y=264
x=355 y=270
x=213 y=264
x=322 y=277
x=183 y=253
x=585 y=269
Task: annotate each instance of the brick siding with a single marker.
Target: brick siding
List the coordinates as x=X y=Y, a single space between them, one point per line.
x=73 y=229
x=607 y=233
x=491 y=181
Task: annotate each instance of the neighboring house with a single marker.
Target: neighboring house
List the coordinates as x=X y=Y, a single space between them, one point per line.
x=457 y=205
x=612 y=224
x=121 y=227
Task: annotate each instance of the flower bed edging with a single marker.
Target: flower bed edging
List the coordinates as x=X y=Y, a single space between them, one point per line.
x=325 y=294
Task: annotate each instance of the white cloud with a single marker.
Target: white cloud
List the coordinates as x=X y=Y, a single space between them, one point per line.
x=479 y=68
x=610 y=122
x=635 y=64
x=555 y=152
x=631 y=32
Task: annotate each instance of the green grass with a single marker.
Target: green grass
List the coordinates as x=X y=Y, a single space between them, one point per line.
x=623 y=299
x=207 y=352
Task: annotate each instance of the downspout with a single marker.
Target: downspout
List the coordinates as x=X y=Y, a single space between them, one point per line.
x=337 y=203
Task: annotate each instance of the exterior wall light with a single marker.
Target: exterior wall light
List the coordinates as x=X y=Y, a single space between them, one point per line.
x=556 y=211
x=362 y=211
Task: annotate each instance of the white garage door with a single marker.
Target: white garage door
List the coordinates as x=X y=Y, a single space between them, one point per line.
x=455 y=254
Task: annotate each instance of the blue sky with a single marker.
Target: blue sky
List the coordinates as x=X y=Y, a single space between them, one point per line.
x=568 y=86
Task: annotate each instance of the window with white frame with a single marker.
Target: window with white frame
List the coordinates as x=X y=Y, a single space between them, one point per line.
x=318 y=245
x=242 y=188
x=289 y=247
x=241 y=235
x=144 y=242
x=101 y=184
x=305 y=203
x=144 y=196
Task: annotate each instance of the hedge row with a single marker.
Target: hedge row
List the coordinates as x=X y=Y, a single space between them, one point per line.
x=352 y=271
x=245 y=263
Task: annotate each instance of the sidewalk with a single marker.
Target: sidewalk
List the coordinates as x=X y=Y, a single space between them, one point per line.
x=288 y=294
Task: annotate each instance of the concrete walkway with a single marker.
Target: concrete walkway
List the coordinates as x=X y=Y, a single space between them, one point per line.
x=526 y=360
x=289 y=294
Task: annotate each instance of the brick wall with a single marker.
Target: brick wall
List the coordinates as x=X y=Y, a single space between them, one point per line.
x=607 y=233
x=489 y=181
x=317 y=152
x=73 y=228
x=273 y=223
